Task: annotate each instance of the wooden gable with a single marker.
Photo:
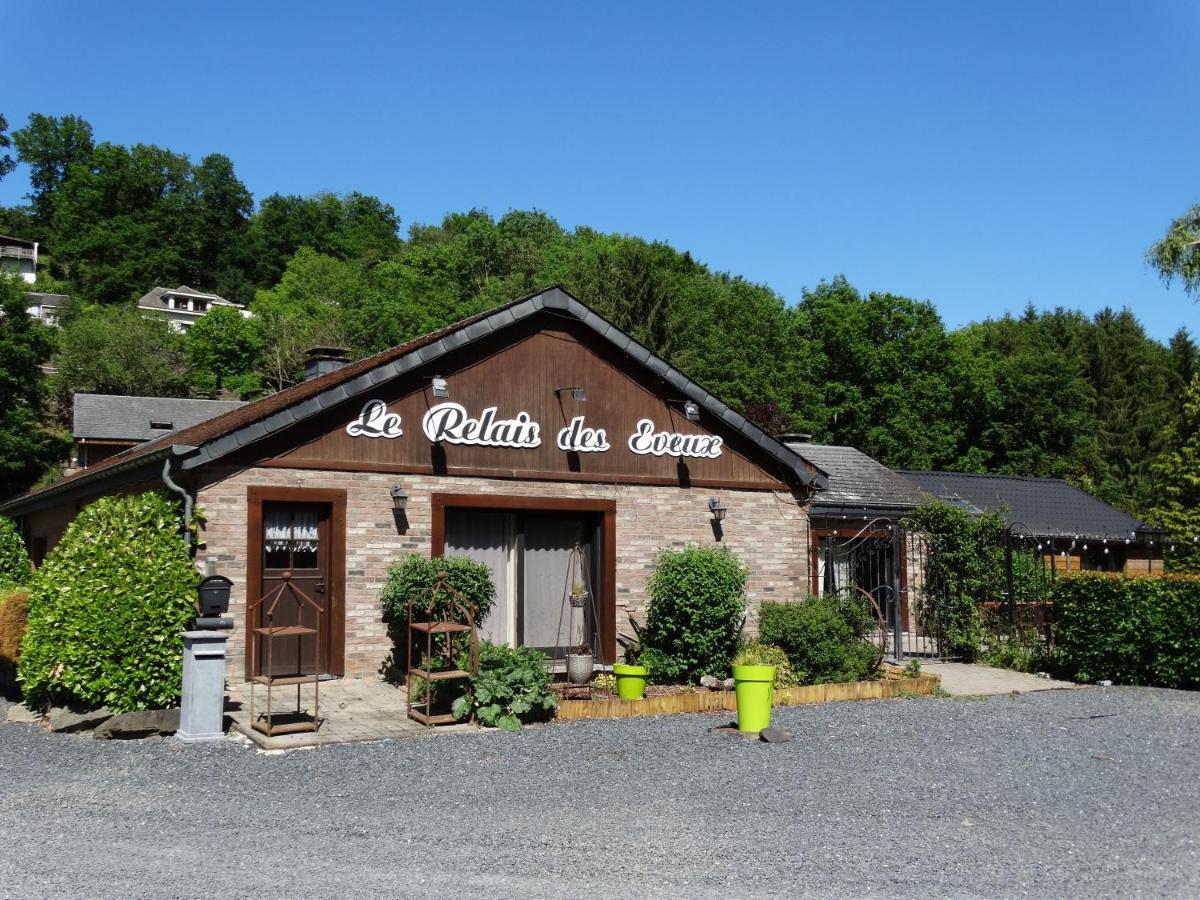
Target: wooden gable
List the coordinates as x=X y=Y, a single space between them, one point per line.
x=524 y=375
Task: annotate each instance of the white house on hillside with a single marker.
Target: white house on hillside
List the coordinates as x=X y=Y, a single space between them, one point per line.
x=18 y=257
x=184 y=305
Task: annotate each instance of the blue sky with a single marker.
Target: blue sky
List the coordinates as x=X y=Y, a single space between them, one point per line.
x=982 y=156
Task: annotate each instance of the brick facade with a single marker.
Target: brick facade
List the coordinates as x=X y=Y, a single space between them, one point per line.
x=768 y=531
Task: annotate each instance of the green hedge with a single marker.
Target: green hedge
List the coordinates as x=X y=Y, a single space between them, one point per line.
x=694 y=620
x=14 y=560
x=1130 y=630
x=822 y=637
x=107 y=609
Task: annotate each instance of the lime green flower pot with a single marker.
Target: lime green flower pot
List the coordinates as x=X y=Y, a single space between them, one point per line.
x=631 y=681
x=754 y=686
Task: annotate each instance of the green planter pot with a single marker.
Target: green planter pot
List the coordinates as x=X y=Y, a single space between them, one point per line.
x=631 y=681
x=753 y=686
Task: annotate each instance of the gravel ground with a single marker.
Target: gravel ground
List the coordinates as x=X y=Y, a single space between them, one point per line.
x=1089 y=793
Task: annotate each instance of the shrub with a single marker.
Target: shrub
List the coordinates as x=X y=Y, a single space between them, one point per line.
x=513 y=686
x=108 y=606
x=819 y=641
x=757 y=653
x=412 y=578
x=695 y=616
x=1142 y=630
x=14 y=560
x=14 y=619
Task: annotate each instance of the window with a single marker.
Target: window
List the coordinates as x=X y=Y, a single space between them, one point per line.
x=290 y=538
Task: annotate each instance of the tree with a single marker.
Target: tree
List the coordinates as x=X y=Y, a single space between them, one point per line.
x=224 y=349
x=7 y=163
x=116 y=350
x=1177 y=255
x=1177 y=485
x=27 y=448
x=51 y=146
x=225 y=207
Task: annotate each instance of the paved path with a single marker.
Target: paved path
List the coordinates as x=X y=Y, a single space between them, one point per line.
x=965 y=679
x=1085 y=793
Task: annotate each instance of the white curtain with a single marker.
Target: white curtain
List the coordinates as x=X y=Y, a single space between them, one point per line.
x=284 y=529
x=841 y=567
x=487 y=538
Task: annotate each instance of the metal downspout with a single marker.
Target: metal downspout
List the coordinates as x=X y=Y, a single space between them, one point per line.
x=188 y=503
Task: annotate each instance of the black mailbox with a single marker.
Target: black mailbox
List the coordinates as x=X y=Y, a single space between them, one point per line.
x=214 y=595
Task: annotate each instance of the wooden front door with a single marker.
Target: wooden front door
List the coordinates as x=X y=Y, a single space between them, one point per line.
x=296 y=539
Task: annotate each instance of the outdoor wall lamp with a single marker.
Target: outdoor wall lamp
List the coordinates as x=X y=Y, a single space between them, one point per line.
x=717 y=508
x=399 y=505
x=692 y=411
x=440 y=388
x=577 y=393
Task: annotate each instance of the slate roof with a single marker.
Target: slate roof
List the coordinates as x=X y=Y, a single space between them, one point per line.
x=108 y=417
x=153 y=298
x=1048 y=507
x=856 y=481
x=208 y=441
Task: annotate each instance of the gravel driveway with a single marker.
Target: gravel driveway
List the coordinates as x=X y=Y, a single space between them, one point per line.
x=1083 y=793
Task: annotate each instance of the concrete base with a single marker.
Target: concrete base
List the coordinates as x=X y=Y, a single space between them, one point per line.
x=201 y=716
x=979 y=680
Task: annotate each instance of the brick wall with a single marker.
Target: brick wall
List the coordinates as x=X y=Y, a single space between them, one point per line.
x=767 y=531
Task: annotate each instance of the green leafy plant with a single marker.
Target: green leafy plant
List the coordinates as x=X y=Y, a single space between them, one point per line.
x=108 y=606
x=14 y=560
x=412 y=579
x=757 y=653
x=695 y=616
x=511 y=687
x=1131 y=630
x=605 y=682
x=819 y=641
x=912 y=669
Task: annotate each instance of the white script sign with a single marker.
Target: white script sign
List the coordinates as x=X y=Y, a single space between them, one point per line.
x=645 y=440
x=375 y=421
x=450 y=422
x=578 y=438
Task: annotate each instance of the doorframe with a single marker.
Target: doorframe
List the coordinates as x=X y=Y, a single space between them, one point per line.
x=607 y=510
x=336 y=591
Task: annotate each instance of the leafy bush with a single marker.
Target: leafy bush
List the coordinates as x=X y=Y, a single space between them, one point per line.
x=695 y=616
x=1132 y=630
x=513 y=686
x=819 y=640
x=108 y=606
x=1011 y=653
x=14 y=619
x=413 y=577
x=14 y=560
x=757 y=653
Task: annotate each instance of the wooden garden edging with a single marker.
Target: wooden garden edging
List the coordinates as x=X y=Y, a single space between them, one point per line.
x=717 y=701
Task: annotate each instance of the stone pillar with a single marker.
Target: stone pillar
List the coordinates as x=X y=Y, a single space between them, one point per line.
x=202 y=715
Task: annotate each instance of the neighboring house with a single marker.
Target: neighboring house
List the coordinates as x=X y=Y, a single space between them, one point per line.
x=1073 y=529
x=105 y=425
x=18 y=257
x=183 y=305
x=45 y=307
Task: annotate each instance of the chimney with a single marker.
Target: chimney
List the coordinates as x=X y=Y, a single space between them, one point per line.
x=323 y=360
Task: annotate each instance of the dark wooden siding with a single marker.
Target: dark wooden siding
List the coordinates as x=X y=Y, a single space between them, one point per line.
x=519 y=374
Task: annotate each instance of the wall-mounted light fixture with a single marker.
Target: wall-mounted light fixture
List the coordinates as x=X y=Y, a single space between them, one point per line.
x=717 y=508
x=399 y=504
x=692 y=411
x=440 y=387
x=577 y=393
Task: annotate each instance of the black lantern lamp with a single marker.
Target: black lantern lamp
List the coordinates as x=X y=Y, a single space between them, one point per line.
x=399 y=505
x=717 y=508
x=212 y=595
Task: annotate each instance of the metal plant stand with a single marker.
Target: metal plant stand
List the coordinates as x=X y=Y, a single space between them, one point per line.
x=438 y=662
x=578 y=597
x=296 y=720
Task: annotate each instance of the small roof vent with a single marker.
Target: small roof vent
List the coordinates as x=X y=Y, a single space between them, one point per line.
x=163 y=426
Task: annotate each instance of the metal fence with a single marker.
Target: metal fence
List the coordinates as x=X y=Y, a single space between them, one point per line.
x=935 y=602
